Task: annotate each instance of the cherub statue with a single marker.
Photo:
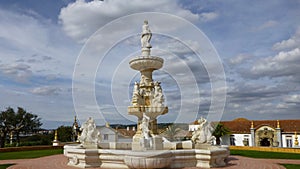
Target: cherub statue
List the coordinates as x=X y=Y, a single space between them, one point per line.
x=89 y=135
x=204 y=132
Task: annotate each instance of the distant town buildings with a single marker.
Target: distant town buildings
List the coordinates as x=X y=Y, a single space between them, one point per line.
x=243 y=132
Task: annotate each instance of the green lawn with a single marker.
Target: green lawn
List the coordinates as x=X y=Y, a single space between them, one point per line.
x=4 y=166
x=29 y=154
x=263 y=154
x=291 y=166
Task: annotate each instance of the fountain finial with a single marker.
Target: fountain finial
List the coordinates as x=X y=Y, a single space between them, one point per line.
x=145 y=39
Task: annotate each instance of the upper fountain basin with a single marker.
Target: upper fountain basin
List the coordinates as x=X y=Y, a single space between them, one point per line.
x=148 y=62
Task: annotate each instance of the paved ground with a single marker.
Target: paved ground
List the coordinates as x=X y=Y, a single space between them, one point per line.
x=234 y=162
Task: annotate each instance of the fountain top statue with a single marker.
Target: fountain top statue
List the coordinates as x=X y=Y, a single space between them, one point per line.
x=146 y=35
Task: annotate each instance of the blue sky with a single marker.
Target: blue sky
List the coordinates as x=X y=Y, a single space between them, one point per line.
x=258 y=43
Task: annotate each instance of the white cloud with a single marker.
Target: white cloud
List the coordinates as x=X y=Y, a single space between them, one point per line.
x=46 y=90
x=266 y=25
x=283 y=64
x=292 y=42
x=294 y=98
x=19 y=72
x=35 y=42
x=240 y=58
x=80 y=19
x=208 y=16
x=35 y=52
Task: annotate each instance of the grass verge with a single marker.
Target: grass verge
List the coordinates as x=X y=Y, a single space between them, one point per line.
x=29 y=154
x=291 y=166
x=4 y=166
x=263 y=154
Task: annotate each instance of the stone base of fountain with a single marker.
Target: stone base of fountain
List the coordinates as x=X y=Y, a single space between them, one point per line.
x=206 y=157
x=153 y=143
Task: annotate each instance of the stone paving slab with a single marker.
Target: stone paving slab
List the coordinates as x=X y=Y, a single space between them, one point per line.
x=60 y=162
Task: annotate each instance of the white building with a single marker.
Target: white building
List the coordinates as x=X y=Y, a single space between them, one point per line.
x=108 y=134
x=268 y=133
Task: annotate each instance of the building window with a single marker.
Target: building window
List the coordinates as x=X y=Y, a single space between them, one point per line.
x=246 y=140
x=289 y=142
x=105 y=137
x=232 y=140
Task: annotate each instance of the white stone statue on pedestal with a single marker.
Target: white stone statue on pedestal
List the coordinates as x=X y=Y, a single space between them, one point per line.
x=90 y=136
x=204 y=133
x=146 y=140
x=146 y=35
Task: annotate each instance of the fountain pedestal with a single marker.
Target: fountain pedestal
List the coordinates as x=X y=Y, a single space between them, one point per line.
x=147 y=99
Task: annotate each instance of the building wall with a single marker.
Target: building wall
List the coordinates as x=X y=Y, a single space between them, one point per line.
x=289 y=136
x=238 y=139
x=125 y=140
x=108 y=135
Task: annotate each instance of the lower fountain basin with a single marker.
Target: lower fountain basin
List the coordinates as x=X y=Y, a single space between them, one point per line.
x=125 y=159
x=154 y=159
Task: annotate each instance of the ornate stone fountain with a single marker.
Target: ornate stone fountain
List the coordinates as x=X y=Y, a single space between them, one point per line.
x=148 y=99
x=147 y=149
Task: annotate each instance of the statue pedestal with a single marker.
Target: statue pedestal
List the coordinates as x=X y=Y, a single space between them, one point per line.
x=55 y=143
x=202 y=146
x=90 y=146
x=152 y=112
x=153 y=143
x=157 y=143
x=142 y=145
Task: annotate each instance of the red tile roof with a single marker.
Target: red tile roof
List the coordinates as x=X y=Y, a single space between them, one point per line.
x=243 y=125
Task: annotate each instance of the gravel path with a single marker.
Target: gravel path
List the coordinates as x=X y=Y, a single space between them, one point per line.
x=60 y=162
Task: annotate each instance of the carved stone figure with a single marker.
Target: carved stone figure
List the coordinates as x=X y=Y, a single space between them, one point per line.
x=135 y=94
x=204 y=133
x=90 y=136
x=146 y=140
x=146 y=35
x=145 y=127
x=158 y=98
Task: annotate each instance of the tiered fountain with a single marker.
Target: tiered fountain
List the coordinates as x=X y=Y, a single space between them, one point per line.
x=147 y=99
x=147 y=149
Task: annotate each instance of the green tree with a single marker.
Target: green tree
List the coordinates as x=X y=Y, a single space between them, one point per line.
x=220 y=130
x=171 y=132
x=64 y=133
x=6 y=124
x=25 y=122
x=17 y=122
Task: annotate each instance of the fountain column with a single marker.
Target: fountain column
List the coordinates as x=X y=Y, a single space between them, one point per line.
x=147 y=100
